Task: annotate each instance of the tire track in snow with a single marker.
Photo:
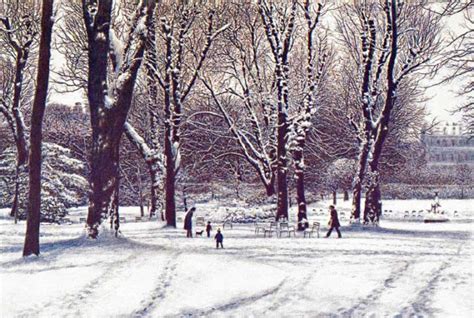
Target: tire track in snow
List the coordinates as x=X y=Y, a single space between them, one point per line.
x=164 y=281
x=72 y=301
x=375 y=294
x=424 y=298
x=235 y=303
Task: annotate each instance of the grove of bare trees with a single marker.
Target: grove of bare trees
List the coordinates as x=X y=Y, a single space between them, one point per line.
x=293 y=97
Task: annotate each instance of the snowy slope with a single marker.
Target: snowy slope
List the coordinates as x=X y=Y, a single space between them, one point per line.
x=403 y=268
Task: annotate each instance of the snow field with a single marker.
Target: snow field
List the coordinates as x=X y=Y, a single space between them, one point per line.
x=400 y=269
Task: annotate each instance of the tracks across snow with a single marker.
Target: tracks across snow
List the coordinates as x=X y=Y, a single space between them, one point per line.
x=162 y=283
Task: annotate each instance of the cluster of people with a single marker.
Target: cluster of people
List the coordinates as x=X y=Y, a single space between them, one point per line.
x=219 y=238
x=188 y=226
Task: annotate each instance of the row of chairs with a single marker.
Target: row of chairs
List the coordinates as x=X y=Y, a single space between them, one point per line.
x=279 y=228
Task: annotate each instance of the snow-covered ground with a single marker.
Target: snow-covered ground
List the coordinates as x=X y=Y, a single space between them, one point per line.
x=401 y=268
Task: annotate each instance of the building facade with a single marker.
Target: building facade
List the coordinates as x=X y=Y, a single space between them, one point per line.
x=449 y=144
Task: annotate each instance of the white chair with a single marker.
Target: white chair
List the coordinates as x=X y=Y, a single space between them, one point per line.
x=259 y=227
x=285 y=227
x=315 y=228
x=272 y=229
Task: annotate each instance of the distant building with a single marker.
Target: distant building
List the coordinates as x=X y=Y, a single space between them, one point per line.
x=449 y=144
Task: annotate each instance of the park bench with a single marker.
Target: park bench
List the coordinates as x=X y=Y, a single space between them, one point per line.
x=138 y=219
x=314 y=228
x=81 y=220
x=122 y=219
x=286 y=228
x=179 y=219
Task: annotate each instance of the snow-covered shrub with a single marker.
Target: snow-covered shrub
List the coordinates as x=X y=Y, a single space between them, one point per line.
x=62 y=184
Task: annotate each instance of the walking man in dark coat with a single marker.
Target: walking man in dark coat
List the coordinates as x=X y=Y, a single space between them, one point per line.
x=188 y=222
x=333 y=222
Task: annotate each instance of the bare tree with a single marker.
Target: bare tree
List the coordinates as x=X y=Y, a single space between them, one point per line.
x=240 y=87
x=317 y=53
x=187 y=34
x=408 y=40
x=458 y=58
x=279 y=24
x=18 y=35
x=110 y=98
x=34 y=192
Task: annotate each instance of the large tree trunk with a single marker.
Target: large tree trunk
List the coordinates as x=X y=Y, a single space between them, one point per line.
x=373 y=203
x=109 y=113
x=358 y=182
x=170 y=182
x=373 y=197
x=104 y=150
x=34 y=194
x=282 y=170
x=103 y=179
x=151 y=68
x=270 y=187
x=156 y=185
x=298 y=157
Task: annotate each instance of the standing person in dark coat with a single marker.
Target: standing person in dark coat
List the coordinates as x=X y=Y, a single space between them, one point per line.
x=333 y=222
x=208 y=229
x=219 y=238
x=188 y=222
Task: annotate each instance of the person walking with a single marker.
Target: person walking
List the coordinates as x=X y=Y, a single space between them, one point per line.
x=219 y=238
x=188 y=222
x=208 y=229
x=333 y=222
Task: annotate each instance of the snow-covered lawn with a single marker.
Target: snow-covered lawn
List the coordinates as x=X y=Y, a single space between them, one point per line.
x=402 y=268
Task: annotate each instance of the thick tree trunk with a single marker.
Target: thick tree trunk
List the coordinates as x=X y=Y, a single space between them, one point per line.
x=151 y=67
x=372 y=209
x=170 y=182
x=270 y=189
x=34 y=194
x=109 y=113
x=301 y=200
x=373 y=200
x=282 y=170
x=334 y=197
x=346 y=195
x=104 y=181
x=298 y=157
x=358 y=182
